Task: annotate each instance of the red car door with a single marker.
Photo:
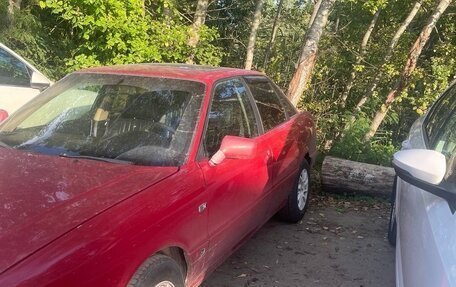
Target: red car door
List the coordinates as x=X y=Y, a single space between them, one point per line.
x=237 y=188
x=282 y=134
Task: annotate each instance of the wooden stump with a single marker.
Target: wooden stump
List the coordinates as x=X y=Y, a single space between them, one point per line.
x=351 y=177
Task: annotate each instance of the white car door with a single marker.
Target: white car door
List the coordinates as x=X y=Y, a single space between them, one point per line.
x=14 y=97
x=16 y=81
x=426 y=225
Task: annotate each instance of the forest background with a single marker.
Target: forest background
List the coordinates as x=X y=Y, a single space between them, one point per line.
x=366 y=69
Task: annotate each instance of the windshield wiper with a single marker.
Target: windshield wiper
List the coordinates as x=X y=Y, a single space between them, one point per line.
x=110 y=160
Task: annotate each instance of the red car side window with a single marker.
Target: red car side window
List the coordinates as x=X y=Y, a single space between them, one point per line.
x=231 y=114
x=269 y=105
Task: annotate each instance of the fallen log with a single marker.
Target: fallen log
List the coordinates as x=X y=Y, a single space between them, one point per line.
x=350 y=177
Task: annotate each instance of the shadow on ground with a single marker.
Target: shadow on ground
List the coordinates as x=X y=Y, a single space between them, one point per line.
x=340 y=242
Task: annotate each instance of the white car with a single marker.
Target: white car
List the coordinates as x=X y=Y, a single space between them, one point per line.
x=19 y=81
x=423 y=219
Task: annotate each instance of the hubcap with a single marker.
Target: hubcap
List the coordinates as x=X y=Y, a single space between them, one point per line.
x=303 y=189
x=165 y=284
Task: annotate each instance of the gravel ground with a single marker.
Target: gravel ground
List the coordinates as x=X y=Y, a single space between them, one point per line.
x=340 y=242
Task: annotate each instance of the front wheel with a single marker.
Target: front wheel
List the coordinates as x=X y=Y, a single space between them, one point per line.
x=298 y=200
x=158 y=271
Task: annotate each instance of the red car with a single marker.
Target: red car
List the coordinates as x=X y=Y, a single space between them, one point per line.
x=146 y=175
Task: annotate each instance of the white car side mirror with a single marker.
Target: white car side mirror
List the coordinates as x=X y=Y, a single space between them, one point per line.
x=40 y=82
x=426 y=165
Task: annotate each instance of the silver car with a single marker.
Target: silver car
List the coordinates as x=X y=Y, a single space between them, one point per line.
x=423 y=220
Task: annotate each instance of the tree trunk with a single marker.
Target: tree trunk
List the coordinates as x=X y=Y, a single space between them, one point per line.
x=308 y=56
x=253 y=33
x=409 y=67
x=198 y=21
x=346 y=176
x=389 y=54
x=359 y=59
x=12 y=6
x=275 y=27
x=315 y=12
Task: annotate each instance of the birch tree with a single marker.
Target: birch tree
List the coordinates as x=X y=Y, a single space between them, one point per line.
x=309 y=51
x=409 y=67
x=12 y=6
x=359 y=58
x=275 y=27
x=253 y=34
x=400 y=31
x=315 y=12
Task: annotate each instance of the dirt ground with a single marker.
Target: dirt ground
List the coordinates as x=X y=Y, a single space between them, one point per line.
x=340 y=242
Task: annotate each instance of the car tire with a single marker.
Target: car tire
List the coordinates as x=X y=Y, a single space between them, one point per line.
x=158 y=271
x=298 y=199
x=392 y=226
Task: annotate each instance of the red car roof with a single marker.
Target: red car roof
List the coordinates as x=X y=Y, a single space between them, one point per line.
x=176 y=71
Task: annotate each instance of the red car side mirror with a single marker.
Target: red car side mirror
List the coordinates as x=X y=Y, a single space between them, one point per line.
x=3 y=115
x=234 y=148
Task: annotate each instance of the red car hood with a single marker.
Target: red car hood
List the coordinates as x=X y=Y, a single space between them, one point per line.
x=43 y=197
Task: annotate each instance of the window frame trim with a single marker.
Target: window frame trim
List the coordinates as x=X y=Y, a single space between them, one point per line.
x=431 y=112
x=287 y=118
x=282 y=95
x=256 y=111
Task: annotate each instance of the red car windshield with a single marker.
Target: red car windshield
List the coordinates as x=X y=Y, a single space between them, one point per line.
x=132 y=119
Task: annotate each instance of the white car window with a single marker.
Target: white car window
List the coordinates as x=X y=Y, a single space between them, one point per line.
x=441 y=129
x=12 y=71
x=438 y=116
x=446 y=144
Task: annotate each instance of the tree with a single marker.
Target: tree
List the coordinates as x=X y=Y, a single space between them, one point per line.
x=106 y=32
x=315 y=12
x=359 y=58
x=275 y=27
x=309 y=51
x=409 y=67
x=198 y=21
x=253 y=34
x=12 y=6
x=400 y=31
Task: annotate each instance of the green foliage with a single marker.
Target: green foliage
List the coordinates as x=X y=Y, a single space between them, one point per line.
x=29 y=38
x=378 y=151
x=120 y=32
x=232 y=18
x=62 y=36
x=3 y=13
x=436 y=71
